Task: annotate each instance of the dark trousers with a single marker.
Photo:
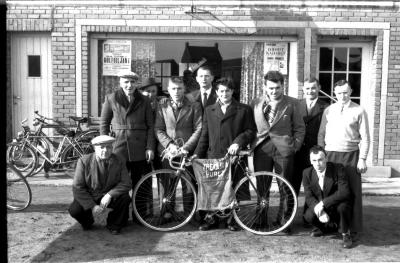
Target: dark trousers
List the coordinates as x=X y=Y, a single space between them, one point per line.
x=137 y=170
x=301 y=162
x=116 y=219
x=339 y=218
x=349 y=160
x=267 y=158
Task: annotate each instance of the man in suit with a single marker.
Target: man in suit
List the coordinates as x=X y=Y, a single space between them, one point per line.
x=101 y=181
x=327 y=195
x=311 y=108
x=130 y=116
x=206 y=94
x=228 y=126
x=280 y=130
x=177 y=118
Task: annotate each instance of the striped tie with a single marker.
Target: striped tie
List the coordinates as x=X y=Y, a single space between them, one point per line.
x=269 y=113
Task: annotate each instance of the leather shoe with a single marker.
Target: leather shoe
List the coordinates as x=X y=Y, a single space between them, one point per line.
x=347 y=242
x=316 y=232
x=114 y=231
x=233 y=228
x=87 y=227
x=206 y=226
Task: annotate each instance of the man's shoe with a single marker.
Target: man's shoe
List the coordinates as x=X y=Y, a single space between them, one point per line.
x=114 y=231
x=347 y=242
x=207 y=226
x=316 y=232
x=355 y=236
x=87 y=227
x=287 y=231
x=233 y=228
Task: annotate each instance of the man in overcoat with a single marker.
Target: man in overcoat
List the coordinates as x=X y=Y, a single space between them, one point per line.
x=327 y=195
x=280 y=130
x=228 y=126
x=130 y=117
x=101 y=181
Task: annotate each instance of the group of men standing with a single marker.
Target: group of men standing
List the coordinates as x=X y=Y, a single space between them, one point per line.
x=282 y=131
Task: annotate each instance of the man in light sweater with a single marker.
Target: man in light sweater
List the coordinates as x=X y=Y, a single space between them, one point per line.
x=344 y=134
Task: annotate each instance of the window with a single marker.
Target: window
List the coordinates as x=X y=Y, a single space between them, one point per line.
x=337 y=63
x=34 y=66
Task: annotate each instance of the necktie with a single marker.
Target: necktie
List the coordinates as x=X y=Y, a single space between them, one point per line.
x=269 y=113
x=321 y=181
x=309 y=107
x=204 y=99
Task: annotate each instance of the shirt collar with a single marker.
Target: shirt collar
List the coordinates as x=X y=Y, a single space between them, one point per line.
x=208 y=91
x=322 y=174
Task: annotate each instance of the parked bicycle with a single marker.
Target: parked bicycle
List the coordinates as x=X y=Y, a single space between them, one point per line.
x=270 y=208
x=37 y=150
x=19 y=194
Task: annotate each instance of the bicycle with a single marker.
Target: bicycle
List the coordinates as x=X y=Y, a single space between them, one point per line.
x=19 y=194
x=22 y=156
x=270 y=207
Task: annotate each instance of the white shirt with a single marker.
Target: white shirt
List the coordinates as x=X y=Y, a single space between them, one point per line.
x=311 y=104
x=202 y=91
x=224 y=106
x=321 y=177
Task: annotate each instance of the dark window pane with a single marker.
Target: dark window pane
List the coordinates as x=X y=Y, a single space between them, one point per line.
x=325 y=59
x=340 y=59
x=325 y=81
x=356 y=101
x=33 y=66
x=355 y=59
x=337 y=77
x=355 y=83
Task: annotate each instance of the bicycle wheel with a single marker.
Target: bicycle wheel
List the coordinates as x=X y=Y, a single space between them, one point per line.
x=71 y=154
x=23 y=158
x=163 y=200
x=19 y=195
x=271 y=206
x=43 y=146
x=87 y=136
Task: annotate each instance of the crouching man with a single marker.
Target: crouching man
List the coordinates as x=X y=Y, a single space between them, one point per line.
x=327 y=195
x=101 y=181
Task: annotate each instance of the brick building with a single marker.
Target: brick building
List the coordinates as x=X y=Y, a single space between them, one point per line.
x=63 y=55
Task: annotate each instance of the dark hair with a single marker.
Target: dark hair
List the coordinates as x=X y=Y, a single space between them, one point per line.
x=228 y=82
x=341 y=83
x=316 y=149
x=206 y=68
x=176 y=79
x=312 y=79
x=274 y=76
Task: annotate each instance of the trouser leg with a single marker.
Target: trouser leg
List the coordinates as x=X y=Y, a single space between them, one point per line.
x=84 y=217
x=118 y=217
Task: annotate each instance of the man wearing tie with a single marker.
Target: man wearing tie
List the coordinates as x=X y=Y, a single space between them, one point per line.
x=206 y=94
x=327 y=196
x=280 y=129
x=101 y=181
x=311 y=108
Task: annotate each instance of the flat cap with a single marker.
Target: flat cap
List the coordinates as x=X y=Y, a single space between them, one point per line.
x=103 y=139
x=127 y=74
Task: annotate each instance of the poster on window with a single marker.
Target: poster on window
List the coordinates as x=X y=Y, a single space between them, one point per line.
x=275 y=57
x=116 y=56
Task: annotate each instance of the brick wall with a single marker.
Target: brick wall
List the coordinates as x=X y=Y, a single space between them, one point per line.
x=61 y=20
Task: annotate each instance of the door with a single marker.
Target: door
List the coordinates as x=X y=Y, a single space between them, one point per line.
x=31 y=77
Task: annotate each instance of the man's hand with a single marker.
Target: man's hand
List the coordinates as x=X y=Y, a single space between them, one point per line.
x=105 y=201
x=173 y=149
x=97 y=210
x=149 y=155
x=184 y=152
x=233 y=149
x=319 y=208
x=361 y=166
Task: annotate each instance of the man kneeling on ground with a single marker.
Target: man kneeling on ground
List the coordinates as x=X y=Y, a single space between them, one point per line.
x=101 y=181
x=327 y=195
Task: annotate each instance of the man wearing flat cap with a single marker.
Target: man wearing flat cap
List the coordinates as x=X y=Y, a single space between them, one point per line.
x=130 y=116
x=101 y=181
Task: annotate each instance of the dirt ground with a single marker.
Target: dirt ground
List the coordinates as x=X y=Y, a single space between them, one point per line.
x=46 y=233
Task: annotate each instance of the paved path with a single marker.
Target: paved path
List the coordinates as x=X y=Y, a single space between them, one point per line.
x=371 y=185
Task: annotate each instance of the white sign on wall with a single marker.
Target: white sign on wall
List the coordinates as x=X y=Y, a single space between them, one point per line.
x=116 y=56
x=275 y=57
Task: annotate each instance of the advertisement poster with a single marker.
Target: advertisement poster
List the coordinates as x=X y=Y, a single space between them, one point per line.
x=116 y=56
x=275 y=57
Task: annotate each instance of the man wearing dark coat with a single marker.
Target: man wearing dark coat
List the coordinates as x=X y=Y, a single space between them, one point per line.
x=327 y=195
x=101 y=181
x=130 y=117
x=228 y=126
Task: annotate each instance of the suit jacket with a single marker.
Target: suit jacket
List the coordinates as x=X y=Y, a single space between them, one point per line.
x=312 y=120
x=133 y=124
x=186 y=126
x=87 y=187
x=336 y=186
x=221 y=130
x=287 y=130
x=198 y=97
